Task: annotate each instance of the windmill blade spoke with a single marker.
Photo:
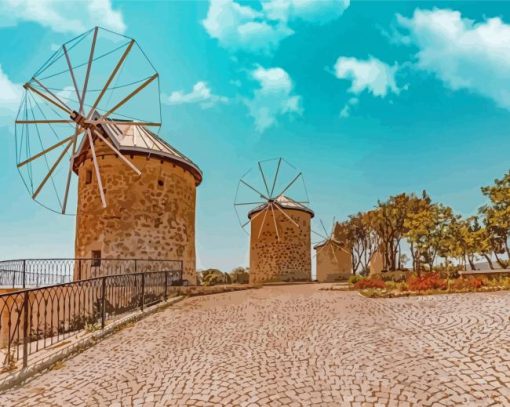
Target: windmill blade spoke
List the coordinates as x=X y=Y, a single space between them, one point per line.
x=248 y=203
x=334 y=254
x=70 y=172
x=39 y=93
x=127 y=123
x=96 y=166
x=53 y=147
x=253 y=217
x=257 y=191
x=275 y=225
x=52 y=94
x=291 y=183
x=323 y=227
x=276 y=176
x=287 y=216
x=89 y=66
x=52 y=169
x=128 y=97
x=111 y=77
x=263 y=221
x=43 y=121
x=263 y=178
x=340 y=245
x=71 y=71
x=119 y=154
x=319 y=234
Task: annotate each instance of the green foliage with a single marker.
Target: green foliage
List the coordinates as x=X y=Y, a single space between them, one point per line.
x=240 y=275
x=354 y=279
x=214 y=277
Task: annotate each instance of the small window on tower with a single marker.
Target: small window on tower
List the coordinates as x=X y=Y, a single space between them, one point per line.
x=88 y=177
x=96 y=258
x=161 y=182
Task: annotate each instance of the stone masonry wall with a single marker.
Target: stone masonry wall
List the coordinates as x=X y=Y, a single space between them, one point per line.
x=284 y=259
x=331 y=268
x=151 y=216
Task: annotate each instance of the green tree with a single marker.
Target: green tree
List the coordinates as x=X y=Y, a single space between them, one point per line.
x=240 y=275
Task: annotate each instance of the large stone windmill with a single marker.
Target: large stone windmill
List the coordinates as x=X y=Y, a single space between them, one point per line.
x=280 y=240
x=333 y=258
x=84 y=146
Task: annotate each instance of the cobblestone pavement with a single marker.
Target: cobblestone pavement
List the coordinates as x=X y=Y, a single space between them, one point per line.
x=294 y=345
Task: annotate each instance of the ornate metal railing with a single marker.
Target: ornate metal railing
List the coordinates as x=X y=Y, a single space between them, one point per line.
x=44 y=272
x=32 y=320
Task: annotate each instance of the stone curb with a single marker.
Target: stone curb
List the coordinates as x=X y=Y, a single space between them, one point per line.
x=20 y=376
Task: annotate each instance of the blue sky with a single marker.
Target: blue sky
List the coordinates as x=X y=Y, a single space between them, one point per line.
x=366 y=98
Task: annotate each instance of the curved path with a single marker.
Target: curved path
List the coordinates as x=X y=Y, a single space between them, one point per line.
x=294 y=345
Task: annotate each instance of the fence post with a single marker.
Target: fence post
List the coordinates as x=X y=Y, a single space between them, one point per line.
x=25 y=329
x=135 y=267
x=79 y=269
x=103 y=302
x=166 y=285
x=24 y=273
x=143 y=291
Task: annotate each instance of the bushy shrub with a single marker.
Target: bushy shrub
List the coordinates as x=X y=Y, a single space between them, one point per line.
x=469 y=283
x=240 y=275
x=396 y=276
x=429 y=281
x=371 y=282
x=354 y=279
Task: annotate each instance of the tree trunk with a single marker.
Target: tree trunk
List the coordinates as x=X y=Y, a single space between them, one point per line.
x=471 y=263
x=489 y=261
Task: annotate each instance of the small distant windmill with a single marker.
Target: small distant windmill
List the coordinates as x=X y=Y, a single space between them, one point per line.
x=333 y=260
x=279 y=225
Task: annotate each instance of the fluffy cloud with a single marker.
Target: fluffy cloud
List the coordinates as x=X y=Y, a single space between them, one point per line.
x=63 y=16
x=273 y=98
x=462 y=53
x=10 y=98
x=200 y=94
x=241 y=27
x=311 y=11
x=371 y=75
x=346 y=110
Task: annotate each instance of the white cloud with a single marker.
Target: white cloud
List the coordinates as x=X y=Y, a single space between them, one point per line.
x=273 y=98
x=371 y=75
x=462 y=53
x=63 y=16
x=243 y=28
x=200 y=94
x=312 y=11
x=10 y=98
x=346 y=110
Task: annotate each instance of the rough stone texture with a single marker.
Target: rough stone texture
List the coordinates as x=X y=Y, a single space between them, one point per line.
x=282 y=257
x=376 y=264
x=333 y=263
x=294 y=346
x=143 y=219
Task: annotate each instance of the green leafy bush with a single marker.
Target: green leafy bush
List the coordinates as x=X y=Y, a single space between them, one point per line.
x=355 y=278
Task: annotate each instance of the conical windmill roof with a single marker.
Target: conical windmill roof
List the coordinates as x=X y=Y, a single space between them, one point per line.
x=131 y=139
x=284 y=202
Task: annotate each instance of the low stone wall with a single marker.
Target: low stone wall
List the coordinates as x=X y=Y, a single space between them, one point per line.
x=206 y=290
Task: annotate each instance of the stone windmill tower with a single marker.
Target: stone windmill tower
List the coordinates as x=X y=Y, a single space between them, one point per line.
x=333 y=259
x=280 y=237
x=84 y=147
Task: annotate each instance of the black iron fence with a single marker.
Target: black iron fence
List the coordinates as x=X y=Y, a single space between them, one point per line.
x=45 y=272
x=32 y=320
